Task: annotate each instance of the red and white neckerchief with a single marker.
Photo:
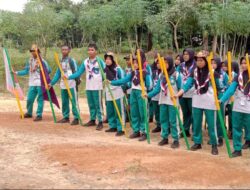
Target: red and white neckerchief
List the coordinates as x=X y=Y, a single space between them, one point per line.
x=200 y=86
x=156 y=77
x=35 y=67
x=164 y=88
x=241 y=84
x=187 y=72
x=90 y=67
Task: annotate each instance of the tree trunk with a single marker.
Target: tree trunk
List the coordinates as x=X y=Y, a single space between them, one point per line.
x=214 y=45
x=150 y=41
x=234 y=41
x=136 y=38
x=175 y=38
x=221 y=45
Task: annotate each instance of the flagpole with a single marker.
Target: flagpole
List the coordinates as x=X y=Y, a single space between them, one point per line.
x=14 y=84
x=67 y=87
x=218 y=105
x=163 y=68
x=143 y=94
x=46 y=85
x=113 y=99
x=248 y=66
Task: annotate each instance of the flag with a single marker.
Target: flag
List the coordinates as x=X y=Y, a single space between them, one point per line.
x=51 y=90
x=12 y=83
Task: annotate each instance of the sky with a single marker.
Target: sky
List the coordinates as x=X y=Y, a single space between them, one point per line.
x=17 y=5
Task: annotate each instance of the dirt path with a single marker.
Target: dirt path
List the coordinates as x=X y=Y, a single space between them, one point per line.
x=48 y=155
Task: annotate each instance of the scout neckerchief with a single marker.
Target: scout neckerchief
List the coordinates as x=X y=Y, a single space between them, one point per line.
x=187 y=71
x=64 y=66
x=243 y=87
x=90 y=67
x=34 y=68
x=198 y=85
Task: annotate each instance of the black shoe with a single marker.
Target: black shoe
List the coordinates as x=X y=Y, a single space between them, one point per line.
x=143 y=137
x=236 y=153
x=119 y=133
x=214 y=150
x=64 y=120
x=163 y=142
x=111 y=130
x=99 y=126
x=105 y=121
x=90 y=123
x=134 y=135
x=156 y=130
x=246 y=145
x=75 y=122
x=187 y=134
x=38 y=118
x=27 y=115
x=220 y=142
x=151 y=120
x=175 y=144
x=196 y=147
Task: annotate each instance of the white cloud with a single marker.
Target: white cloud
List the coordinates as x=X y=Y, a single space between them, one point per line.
x=17 y=5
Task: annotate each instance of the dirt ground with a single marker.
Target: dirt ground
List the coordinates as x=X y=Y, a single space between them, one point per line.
x=48 y=155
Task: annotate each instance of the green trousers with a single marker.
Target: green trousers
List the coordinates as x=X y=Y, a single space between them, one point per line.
x=229 y=111
x=186 y=107
x=219 y=127
x=240 y=121
x=65 y=103
x=197 y=125
x=94 y=98
x=151 y=109
x=168 y=119
x=156 y=112
x=137 y=113
x=33 y=92
x=113 y=118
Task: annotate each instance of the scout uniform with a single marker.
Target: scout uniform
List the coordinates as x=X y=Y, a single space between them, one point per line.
x=94 y=88
x=32 y=69
x=203 y=102
x=114 y=72
x=240 y=88
x=69 y=66
x=168 y=116
x=186 y=69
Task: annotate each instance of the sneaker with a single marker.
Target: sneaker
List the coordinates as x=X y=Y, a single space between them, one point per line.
x=246 y=145
x=27 y=115
x=163 y=142
x=151 y=120
x=214 y=150
x=143 y=137
x=75 y=122
x=134 y=135
x=64 y=120
x=119 y=133
x=156 y=130
x=175 y=144
x=38 y=118
x=111 y=130
x=236 y=153
x=99 y=126
x=196 y=147
x=90 y=123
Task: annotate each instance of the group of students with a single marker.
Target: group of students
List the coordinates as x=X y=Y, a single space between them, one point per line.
x=189 y=77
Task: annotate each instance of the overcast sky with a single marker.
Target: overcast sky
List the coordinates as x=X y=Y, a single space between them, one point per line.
x=16 y=5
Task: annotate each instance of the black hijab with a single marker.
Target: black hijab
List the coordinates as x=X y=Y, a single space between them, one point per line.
x=181 y=58
x=191 y=57
x=110 y=70
x=245 y=77
x=171 y=68
x=218 y=62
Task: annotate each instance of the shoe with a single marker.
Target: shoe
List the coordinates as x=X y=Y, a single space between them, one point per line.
x=90 y=123
x=111 y=130
x=143 y=137
x=156 y=130
x=119 y=133
x=75 y=122
x=64 y=120
x=134 y=135
x=246 y=145
x=214 y=150
x=99 y=126
x=38 y=118
x=27 y=115
x=163 y=142
x=151 y=120
x=236 y=153
x=175 y=144
x=187 y=134
x=196 y=147
x=220 y=142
